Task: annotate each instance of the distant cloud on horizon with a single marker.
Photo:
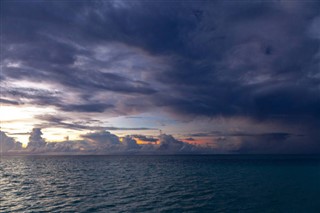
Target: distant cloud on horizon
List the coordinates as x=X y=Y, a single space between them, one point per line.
x=8 y=143
x=105 y=143
x=99 y=143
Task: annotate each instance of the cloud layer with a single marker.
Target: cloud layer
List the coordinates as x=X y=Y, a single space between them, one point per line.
x=103 y=143
x=215 y=58
x=258 y=60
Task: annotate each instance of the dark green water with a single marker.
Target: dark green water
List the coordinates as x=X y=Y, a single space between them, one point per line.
x=227 y=183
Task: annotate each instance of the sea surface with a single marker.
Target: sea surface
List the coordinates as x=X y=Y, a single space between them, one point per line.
x=215 y=183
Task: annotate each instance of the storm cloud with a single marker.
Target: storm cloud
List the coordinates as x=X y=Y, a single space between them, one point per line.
x=259 y=60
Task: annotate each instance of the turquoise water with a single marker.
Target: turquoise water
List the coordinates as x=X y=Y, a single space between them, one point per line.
x=228 y=183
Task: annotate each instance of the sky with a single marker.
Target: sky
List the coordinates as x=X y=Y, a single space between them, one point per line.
x=229 y=76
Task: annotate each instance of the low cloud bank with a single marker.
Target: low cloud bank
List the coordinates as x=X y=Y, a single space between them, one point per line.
x=102 y=142
x=106 y=143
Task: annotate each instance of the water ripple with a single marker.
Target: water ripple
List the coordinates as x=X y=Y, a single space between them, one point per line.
x=158 y=184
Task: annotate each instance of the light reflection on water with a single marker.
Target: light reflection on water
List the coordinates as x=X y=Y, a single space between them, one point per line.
x=159 y=184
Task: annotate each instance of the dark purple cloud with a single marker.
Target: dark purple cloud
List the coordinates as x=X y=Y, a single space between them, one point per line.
x=8 y=102
x=49 y=120
x=195 y=59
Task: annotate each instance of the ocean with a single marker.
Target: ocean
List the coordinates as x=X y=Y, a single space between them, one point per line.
x=208 y=183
